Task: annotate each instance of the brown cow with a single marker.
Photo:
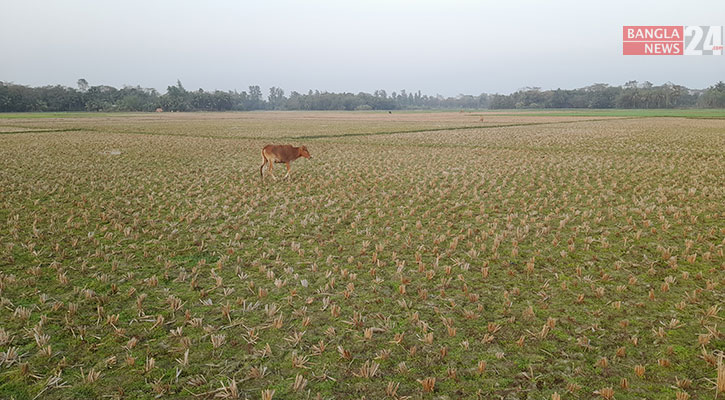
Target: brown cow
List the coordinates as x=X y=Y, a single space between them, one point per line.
x=281 y=153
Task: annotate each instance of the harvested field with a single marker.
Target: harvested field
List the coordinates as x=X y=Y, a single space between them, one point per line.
x=416 y=255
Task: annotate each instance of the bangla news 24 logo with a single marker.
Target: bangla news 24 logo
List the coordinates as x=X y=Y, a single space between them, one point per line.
x=670 y=40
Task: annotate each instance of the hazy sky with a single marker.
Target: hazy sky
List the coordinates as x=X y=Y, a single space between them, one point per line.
x=446 y=47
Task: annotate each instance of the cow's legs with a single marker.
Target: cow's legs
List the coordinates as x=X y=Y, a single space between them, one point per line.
x=261 y=169
x=269 y=169
x=288 y=170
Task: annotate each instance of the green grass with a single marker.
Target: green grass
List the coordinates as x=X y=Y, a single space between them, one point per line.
x=43 y=115
x=675 y=113
x=563 y=112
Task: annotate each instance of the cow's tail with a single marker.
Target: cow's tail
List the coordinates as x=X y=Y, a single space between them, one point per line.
x=264 y=162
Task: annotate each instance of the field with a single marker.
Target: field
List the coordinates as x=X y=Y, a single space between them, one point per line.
x=492 y=255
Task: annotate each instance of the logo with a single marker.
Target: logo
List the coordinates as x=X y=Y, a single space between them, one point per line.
x=668 y=40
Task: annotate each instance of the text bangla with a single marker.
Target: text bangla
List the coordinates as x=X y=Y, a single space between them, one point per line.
x=654 y=33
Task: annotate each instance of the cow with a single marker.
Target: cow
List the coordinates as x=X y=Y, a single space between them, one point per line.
x=281 y=153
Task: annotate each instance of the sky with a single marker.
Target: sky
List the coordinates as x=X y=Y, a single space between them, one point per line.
x=438 y=47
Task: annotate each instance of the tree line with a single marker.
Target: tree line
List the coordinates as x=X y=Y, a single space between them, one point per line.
x=20 y=98
x=630 y=95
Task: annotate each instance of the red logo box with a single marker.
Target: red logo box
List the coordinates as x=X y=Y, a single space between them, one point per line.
x=653 y=48
x=652 y=40
x=667 y=33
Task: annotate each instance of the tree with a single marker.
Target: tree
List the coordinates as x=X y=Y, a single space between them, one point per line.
x=255 y=98
x=600 y=95
x=176 y=98
x=276 y=98
x=82 y=85
x=714 y=96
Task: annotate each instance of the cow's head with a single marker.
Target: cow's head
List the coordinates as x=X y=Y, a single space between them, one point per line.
x=304 y=153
